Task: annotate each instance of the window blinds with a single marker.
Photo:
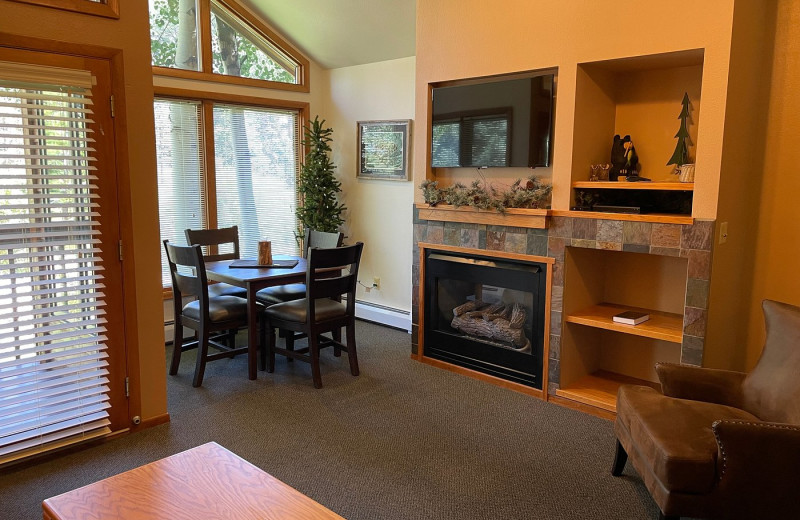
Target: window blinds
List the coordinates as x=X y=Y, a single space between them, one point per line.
x=181 y=181
x=53 y=368
x=256 y=159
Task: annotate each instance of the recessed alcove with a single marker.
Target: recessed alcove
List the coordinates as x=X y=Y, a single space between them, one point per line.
x=598 y=354
x=641 y=97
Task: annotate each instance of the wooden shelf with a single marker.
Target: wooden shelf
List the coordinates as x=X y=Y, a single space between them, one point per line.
x=661 y=325
x=600 y=389
x=527 y=218
x=608 y=185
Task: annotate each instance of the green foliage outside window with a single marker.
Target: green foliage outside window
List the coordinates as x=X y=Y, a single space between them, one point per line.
x=235 y=50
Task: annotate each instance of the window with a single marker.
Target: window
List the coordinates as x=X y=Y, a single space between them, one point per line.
x=217 y=40
x=471 y=139
x=105 y=8
x=248 y=154
x=181 y=180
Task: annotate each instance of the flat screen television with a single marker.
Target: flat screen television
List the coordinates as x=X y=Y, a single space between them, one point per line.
x=497 y=123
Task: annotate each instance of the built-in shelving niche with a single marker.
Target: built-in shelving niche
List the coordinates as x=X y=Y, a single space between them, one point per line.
x=598 y=355
x=641 y=97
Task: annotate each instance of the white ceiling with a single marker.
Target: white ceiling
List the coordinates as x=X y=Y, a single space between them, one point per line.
x=342 y=33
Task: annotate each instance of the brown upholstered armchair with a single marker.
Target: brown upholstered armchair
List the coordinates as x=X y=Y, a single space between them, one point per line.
x=720 y=444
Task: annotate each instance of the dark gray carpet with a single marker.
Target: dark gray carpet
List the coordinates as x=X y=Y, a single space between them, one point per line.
x=402 y=441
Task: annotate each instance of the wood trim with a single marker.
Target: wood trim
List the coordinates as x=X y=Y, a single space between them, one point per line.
x=210 y=167
x=514 y=217
x=108 y=9
x=591 y=410
x=421 y=303
x=546 y=344
x=204 y=31
x=429 y=174
x=527 y=390
x=610 y=185
x=276 y=40
x=231 y=80
x=152 y=421
x=659 y=218
x=204 y=95
x=15 y=41
x=124 y=182
x=482 y=252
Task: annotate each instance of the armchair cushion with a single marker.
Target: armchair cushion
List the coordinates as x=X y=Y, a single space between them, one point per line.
x=701 y=384
x=674 y=435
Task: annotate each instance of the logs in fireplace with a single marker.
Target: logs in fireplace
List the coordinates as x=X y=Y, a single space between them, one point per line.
x=486 y=314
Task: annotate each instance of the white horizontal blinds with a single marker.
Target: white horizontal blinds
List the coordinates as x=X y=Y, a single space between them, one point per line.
x=53 y=368
x=181 y=183
x=257 y=164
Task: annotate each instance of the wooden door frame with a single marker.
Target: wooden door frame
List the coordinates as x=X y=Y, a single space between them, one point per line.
x=56 y=49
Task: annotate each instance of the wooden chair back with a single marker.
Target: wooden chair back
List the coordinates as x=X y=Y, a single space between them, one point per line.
x=321 y=239
x=211 y=239
x=333 y=272
x=187 y=284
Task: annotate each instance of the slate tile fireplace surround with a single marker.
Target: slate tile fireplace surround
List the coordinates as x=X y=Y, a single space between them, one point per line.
x=689 y=243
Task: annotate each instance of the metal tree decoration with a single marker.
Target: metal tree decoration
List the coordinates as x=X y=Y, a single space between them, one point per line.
x=681 y=154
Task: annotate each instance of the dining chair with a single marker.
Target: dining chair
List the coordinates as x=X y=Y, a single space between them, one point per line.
x=209 y=238
x=206 y=315
x=295 y=291
x=332 y=273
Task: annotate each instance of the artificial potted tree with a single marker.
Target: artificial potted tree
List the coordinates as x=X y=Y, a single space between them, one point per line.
x=319 y=206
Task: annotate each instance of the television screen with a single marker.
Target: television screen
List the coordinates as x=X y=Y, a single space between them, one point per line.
x=493 y=124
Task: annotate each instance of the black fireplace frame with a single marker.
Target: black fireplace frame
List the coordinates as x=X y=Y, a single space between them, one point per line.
x=461 y=350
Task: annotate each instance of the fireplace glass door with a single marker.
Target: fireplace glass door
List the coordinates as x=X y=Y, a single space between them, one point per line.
x=486 y=314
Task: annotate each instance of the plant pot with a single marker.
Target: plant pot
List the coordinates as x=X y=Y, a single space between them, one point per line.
x=686 y=173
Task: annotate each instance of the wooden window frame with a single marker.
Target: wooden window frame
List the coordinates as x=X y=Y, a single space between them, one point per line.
x=105 y=9
x=207 y=101
x=206 y=69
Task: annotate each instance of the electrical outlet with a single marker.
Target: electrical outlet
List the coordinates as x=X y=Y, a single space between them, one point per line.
x=723 y=232
x=376 y=282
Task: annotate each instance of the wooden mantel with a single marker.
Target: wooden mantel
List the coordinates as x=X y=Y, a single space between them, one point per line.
x=525 y=218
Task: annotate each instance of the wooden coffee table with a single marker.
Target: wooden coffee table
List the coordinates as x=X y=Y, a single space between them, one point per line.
x=202 y=483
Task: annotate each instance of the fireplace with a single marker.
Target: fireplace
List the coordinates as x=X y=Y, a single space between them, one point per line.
x=486 y=314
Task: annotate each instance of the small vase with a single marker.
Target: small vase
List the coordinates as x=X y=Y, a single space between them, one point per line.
x=686 y=173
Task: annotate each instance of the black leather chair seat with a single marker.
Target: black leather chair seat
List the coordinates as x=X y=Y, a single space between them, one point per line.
x=223 y=289
x=220 y=308
x=281 y=293
x=325 y=309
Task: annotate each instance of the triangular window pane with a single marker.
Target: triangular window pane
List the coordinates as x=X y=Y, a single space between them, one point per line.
x=237 y=50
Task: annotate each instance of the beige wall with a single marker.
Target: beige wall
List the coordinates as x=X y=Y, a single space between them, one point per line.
x=379 y=212
x=742 y=172
x=472 y=38
x=775 y=269
x=131 y=35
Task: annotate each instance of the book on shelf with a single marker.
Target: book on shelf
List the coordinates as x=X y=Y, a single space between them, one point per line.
x=631 y=317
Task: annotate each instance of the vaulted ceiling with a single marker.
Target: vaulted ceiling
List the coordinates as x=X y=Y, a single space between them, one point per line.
x=341 y=33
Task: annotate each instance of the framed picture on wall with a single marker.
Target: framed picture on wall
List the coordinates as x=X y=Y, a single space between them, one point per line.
x=383 y=149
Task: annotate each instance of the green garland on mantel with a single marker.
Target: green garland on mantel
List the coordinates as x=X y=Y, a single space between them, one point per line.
x=531 y=194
